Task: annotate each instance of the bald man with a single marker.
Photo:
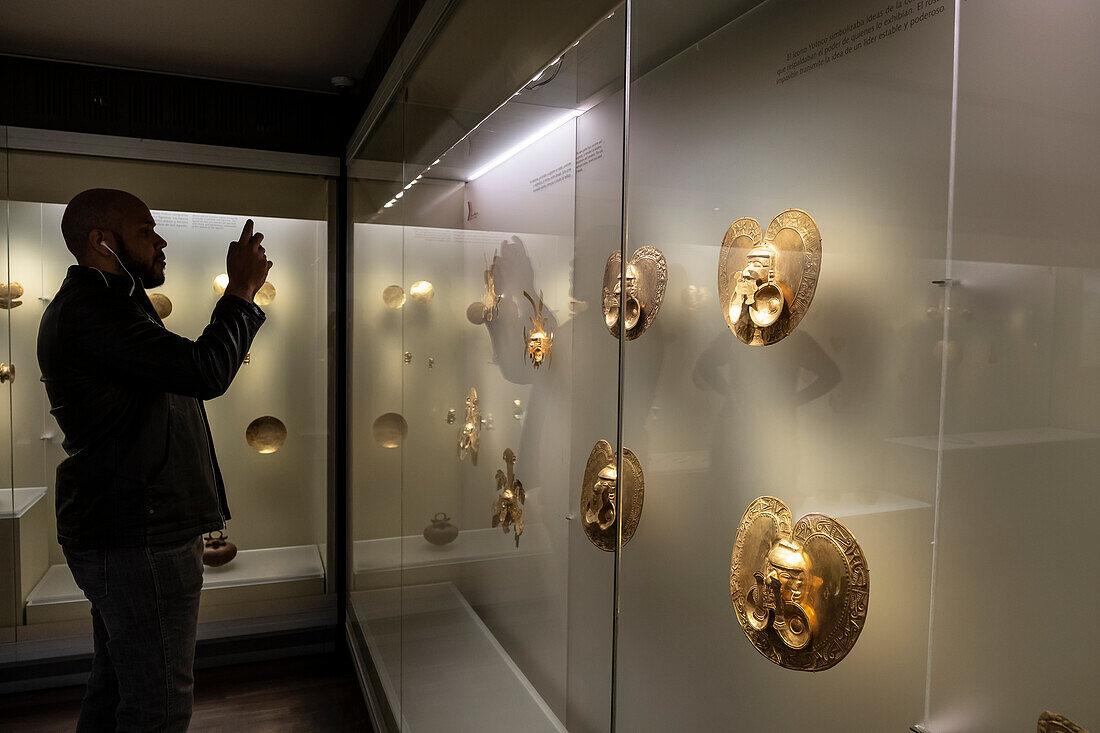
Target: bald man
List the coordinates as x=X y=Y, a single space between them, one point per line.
x=141 y=483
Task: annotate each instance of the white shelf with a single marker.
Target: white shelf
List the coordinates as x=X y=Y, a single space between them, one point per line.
x=431 y=645
x=249 y=568
x=472 y=545
x=14 y=503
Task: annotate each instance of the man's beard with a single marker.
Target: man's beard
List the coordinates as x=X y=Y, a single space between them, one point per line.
x=147 y=274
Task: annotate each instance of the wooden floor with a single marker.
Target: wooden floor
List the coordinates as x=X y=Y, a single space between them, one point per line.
x=304 y=694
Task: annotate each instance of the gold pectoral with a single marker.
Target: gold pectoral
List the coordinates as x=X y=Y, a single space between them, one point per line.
x=766 y=280
x=508 y=505
x=539 y=342
x=800 y=592
x=604 y=497
x=469 y=436
x=632 y=299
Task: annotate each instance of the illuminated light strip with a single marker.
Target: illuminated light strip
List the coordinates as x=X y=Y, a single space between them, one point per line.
x=570 y=115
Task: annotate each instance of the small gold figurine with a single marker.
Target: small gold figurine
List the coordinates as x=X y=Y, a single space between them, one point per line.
x=10 y=293
x=540 y=340
x=766 y=281
x=800 y=592
x=1054 y=723
x=491 y=300
x=645 y=280
x=469 y=437
x=508 y=506
x=602 y=495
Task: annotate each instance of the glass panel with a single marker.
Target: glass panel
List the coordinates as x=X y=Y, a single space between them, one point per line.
x=842 y=110
x=276 y=489
x=1022 y=407
x=496 y=630
x=10 y=606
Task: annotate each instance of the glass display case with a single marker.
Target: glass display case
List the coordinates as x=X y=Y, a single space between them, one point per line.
x=270 y=429
x=930 y=451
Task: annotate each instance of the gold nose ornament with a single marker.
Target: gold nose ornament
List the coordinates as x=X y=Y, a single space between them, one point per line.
x=540 y=340
x=800 y=591
x=469 y=435
x=604 y=496
x=644 y=282
x=508 y=505
x=767 y=280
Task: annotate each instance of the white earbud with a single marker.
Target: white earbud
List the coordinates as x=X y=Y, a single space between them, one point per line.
x=133 y=282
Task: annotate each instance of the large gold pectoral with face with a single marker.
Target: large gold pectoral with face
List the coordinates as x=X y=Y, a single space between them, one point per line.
x=767 y=280
x=632 y=299
x=604 y=497
x=800 y=593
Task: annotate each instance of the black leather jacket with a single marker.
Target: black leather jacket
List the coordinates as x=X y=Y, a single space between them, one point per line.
x=128 y=394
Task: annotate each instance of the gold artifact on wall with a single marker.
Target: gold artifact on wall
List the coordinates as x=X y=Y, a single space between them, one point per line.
x=645 y=280
x=161 y=304
x=469 y=437
x=393 y=296
x=266 y=434
x=265 y=295
x=10 y=293
x=603 y=496
x=508 y=506
x=217 y=550
x=422 y=291
x=389 y=429
x=1054 y=723
x=484 y=310
x=800 y=592
x=766 y=283
x=221 y=282
x=540 y=340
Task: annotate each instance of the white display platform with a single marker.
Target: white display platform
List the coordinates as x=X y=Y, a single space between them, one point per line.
x=57 y=597
x=14 y=503
x=472 y=545
x=995 y=438
x=442 y=668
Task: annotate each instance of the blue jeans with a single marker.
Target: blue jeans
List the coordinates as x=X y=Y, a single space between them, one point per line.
x=145 y=609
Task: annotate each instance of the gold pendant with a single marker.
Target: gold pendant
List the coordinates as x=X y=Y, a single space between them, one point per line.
x=645 y=281
x=469 y=437
x=540 y=340
x=766 y=283
x=603 y=496
x=800 y=592
x=508 y=506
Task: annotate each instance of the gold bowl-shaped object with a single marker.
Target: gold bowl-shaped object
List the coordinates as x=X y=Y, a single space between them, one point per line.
x=266 y=434
x=422 y=291
x=393 y=296
x=161 y=304
x=221 y=282
x=265 y=295
x=768 y=306
x=390 y=429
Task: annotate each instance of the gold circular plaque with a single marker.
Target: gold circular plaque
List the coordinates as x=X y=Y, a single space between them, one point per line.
x=161 y=304
x=266 y=434
x=390 y=429
x=265 y=295
x=767 y=281
x=393 y=296
x=221 y=282
x=800 y=592
x=599 y=503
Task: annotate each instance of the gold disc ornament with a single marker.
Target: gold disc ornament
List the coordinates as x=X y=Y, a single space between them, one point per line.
x=766 y=282
x=266 y=434
x=645 y=281
x=265 y=295
x=801 y=592
x=161 y=304
x=389 y=430
x=603 y=496
x=393 y=296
